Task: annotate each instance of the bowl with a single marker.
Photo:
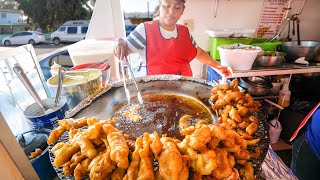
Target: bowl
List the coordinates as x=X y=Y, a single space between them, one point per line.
x=238 y=56
x=270 y=58
x=256 y=86
x=308 y=49
x=46 y=120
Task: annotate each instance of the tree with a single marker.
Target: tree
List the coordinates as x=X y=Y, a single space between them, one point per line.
x=8 y=4
x=54 y=12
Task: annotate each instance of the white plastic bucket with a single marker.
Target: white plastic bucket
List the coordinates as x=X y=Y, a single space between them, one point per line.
x=238 y=56
x=274 y=130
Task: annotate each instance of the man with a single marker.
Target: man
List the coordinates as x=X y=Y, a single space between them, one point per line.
x=164 y=46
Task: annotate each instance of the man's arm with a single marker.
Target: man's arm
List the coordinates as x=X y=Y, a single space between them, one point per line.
x=207 y=59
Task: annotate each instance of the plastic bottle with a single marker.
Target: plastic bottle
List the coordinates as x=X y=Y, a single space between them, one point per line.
x=284 y=95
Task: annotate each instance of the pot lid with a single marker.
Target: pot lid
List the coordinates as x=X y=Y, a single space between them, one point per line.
x=31 y=140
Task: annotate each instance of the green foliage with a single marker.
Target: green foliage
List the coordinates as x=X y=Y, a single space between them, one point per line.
x=50 y=14
x=8 y=4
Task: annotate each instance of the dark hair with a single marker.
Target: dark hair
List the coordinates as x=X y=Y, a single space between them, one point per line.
x=181 y=0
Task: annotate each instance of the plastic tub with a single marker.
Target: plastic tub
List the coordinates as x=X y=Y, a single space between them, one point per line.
x=238 y=56
x=216 y=42
x=266 y=46
x=104 y=67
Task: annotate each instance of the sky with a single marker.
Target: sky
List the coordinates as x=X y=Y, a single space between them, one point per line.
x=139 y=5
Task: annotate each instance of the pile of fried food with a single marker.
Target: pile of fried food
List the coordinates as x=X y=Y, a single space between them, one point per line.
x=208 y=151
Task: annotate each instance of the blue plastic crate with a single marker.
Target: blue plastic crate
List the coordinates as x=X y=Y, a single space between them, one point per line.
x=213 y=75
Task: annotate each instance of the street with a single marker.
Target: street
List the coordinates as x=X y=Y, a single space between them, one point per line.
x=43 y=49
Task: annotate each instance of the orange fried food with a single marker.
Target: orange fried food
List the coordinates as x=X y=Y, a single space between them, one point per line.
x=247 y=172
x=156 y=145
x=119 y=149
x=57 y=148
x=203 y=163
x=55 y=134
x=87 y=148
x=199 y=138
x=36 y=153
x=118 y=174
x=79 y=172
x=183 y=121
x=75 y=123
x=224 y=168
x=65 y=153
x=172 y=165
x=69 y=167
x=101 y=167
x=146 y=170
x=133 y=169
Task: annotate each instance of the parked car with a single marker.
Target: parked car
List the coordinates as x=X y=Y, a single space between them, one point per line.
x=70 y=31
x=24 y=37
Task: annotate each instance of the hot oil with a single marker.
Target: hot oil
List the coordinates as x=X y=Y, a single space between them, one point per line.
x=161 y=113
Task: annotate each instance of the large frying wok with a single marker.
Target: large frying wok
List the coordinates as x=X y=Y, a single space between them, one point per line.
x=111 y=101
x=197 y=91
x=108 y=103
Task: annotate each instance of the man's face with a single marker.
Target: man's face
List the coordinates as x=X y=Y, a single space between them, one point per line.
x=171 y=11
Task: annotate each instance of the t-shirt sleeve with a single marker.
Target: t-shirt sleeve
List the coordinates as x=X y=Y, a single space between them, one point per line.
x=193 y=41
x=137 y=38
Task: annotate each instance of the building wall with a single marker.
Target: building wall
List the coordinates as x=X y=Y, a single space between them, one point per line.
x=10 y=17
x=244 y=14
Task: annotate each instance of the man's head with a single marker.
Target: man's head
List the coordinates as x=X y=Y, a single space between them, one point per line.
x=170 y=12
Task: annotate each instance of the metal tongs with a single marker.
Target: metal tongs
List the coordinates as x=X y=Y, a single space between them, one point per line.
x=127 y=93
x=140 y=100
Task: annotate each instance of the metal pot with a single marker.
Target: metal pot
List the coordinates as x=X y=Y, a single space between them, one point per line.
x=308 y=49
x=256 y=86
x=31 y=140
x=75 y=89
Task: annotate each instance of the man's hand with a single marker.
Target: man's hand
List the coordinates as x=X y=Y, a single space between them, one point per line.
x=120 y=49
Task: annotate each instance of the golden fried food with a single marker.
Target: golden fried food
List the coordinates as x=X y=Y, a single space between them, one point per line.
x=156 y=145
x=118 y=174
x=57 y=148
x=73 y=123
x=79 y=172
x=200 y=138
x=36 y=153
x=183 y=121
x=133 y=113
x=247 y=172
x=119 y=149
x=146 y=170
x=206 y=152
x=133 y=169
x=224 y=168
x=69 y=167
x=65 y=153
x=171 y=163
x=102 y=167
x=203 y=163
x=87 y=148
x=55 y=134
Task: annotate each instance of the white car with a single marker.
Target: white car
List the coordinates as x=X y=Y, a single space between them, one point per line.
x=24 y=37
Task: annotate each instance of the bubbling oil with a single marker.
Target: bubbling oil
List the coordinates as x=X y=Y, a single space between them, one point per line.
x=161 y=113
